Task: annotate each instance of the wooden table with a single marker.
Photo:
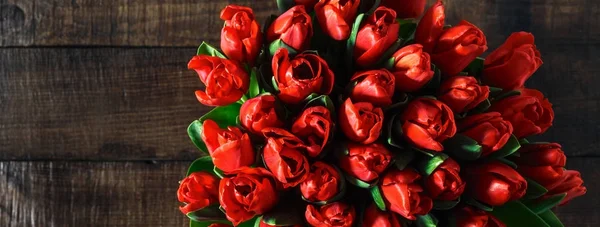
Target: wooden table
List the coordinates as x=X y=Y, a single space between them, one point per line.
x=95 y=100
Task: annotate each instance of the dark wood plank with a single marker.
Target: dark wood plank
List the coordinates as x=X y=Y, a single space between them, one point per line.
x=143 y=194
x=34 y=194
x=116 y=23
x=100 y=104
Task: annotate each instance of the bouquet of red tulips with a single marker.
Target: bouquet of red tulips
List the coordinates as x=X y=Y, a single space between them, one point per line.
x=349 y=113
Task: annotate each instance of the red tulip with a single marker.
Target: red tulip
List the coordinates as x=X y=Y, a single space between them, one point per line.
x=366 y=162
x=376 y=35
x=334 y=214
x=259 y=113
x=412 y=68
x=462 y=93
x=529 y=113
x=301 y=76
x=457 y=47
x=431 y=27
x=219 y=225
x=283 y=156
x=314 y=127
x=225 y=80
x=249 y=192
x=241 y=38
x=374 y=86
x=445 y=182
x=403 y=193
x=494 y=183
x=294 y=28
x=543 y=163
x=336 y=17
x=230 y=149
x=322 y=183
x=488 y=129
x=197 y=191
x=361 y=122
x=406 y=8
x=427 y=123
x=570 y=183
x=374 y=217
x=509 y=66
x=471 y=217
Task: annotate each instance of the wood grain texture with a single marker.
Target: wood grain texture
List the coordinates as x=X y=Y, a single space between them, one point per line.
x=97 y=104
x=143 y=194
x=116 y=22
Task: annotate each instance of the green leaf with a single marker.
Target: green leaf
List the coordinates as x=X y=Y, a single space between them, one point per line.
x=408 y=27
x=429 y=164
x=250 y=223
x=278 y=44
x=475 y=67
x=203 y=164
x=218 y=172
x=389 y=52
x=516 y=214
x=481 y=108
x=534 y=190
x=265 y=79
x=195 y=132
x=283 y=215
x=253 y=89
x=511 y=146
x=321 y=100
x=539 y=207
x=378 y=198
x=224 y=115
x=495 y=91
x=359 y=183
x=524 y=141
x=463 y=147
x=427 y=220
x=445 y=205
x=479 y=205
x=351 y=42
x=206 y=49
x=208 y=214
x=508 y=162
x=284 y=5
x=403 y=157
x=507 y=94
x=550 y=218
x=206 y=223
x=389 y=64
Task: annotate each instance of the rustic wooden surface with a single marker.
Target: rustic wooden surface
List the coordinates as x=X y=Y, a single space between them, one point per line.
x=95 y=98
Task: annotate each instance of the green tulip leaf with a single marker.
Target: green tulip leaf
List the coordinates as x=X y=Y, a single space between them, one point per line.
x=208 y=214
x=506 y=94
x=218 y=172
x=389 y=52
x=429 y=164
x=250 y=223
x=475 y=67
x=463 y=147
x=378 y=198
x=539 y=207
x=403 y=157
x=524 y=141
x=427 y=220
x=351 y=42
x=408 y=27
x=203 y=164
x=195 y=132
x=515 y=213
x=481 y=108
x=265 y=80
x=206 y=49
x=550 y=218
x=206 y=223
x=359 y=183
x=278 y=44
x=389 y=64
x=479 y=205
x=224 y=115
x=284 y=5
x=508 y=162
x=511 y=146
x=253 y=89
x=445 y=205
x=321 y=100
x=534 y=190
